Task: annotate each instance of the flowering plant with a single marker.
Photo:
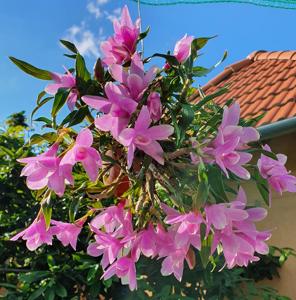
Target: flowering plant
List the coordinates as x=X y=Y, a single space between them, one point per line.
x=158 y=164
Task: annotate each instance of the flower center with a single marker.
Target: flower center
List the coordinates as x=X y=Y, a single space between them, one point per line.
x=142 y=140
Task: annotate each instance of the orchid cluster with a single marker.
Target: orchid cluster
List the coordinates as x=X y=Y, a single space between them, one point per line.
x=165 y=164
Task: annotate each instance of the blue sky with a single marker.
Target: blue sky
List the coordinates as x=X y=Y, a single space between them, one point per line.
x=30 y=30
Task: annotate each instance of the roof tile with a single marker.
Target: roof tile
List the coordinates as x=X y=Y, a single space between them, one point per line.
x=264 y=82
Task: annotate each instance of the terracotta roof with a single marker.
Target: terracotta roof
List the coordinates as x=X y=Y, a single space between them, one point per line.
x=263 y=82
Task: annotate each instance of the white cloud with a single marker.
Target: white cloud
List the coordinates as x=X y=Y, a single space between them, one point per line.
x=86 y=41
x=113 y=15
x=94 y=9
x=101 y=2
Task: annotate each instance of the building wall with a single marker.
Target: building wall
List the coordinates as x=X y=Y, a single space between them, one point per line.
x=282 y=218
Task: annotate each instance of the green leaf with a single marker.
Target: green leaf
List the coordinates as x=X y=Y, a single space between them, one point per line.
x=70 y=46
x=198 y=44
x=216 y=183
x=144 y=34
x=59 y=101
x=73 y=209
x=44 y=119
x=31 y=70
x=169 y=58
x=49 y=137
x=49 y=294
x=208 y=98
x=201 y=71
x=39 y=105
x=81 y=70
x=262 y=186
x=92 y=273
x=33 y=276
x=36 y=294
x=187 y=116
x=47 y=209
x=60 y=290
x=75 y=117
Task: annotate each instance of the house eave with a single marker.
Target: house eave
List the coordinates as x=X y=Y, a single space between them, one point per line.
x=277 y=129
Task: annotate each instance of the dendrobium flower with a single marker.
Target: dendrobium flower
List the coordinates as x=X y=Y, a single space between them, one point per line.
x=44 y=170
x=135 y=80
x=67 y=233
x=117 y=108
x=66 y=81
x=36 y=234
x=233 y=227
x=154 y=106
x=276 y=173
x=183 y=48
x=227 y=148
x=125 y=269
x=82 y=152
x=145 y=138
x=119 y=48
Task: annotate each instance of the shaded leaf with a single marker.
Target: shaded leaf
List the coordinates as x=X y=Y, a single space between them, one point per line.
x=31 y=70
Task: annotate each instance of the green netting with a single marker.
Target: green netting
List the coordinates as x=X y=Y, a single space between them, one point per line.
x=287 y=4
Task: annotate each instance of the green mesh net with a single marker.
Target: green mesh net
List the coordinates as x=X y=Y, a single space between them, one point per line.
x=287 y=4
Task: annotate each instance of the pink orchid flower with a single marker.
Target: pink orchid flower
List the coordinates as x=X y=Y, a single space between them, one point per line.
x=183 y=48
x=135 y=80
x=67 y=233
x=234 y=229
x=84 y=153
x=66 y=81
x=276 y=173
x=115 y=220
x=36 y=234
x=145 y=138
x=154 y=106
x=117 y=108
x=231 y=139
x=125 y=269
x=145 y=242
x=120 y=47
x=174 y=264
x=107 y=245
x=186 y=226
x=44 y=170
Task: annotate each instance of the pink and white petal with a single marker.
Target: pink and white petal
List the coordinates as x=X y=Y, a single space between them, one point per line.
x=118 y=73
x=84 y=138
x=56 y=182
x=71 y=100
x=52 y=88
x=154 y=150
x=91 y=167
x=104 y=123
x=159 y=132
x=126 y=136
x=143 y=120
x=256 y=214
x=130 y=155
x=98 y=103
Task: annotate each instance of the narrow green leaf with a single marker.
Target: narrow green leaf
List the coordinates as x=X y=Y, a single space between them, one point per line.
x=59 y=101
x=49 y=137
x=39 y=105
x=47 y=209
x=81 y=70
x=36 y=294
x=73 y=209
x=43 y=119
x=144 y=34
x=208 y=98
x=31 y=70
x=70 y=46
x=216 y=183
